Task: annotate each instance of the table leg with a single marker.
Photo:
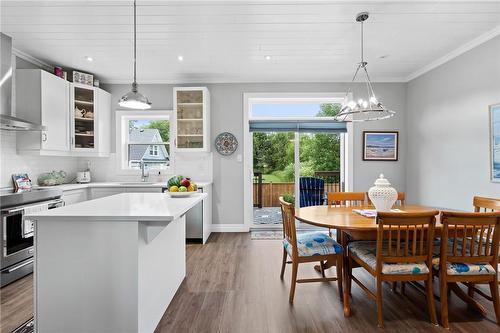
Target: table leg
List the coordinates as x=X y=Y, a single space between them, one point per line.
x=342 y=239
x=467 y=299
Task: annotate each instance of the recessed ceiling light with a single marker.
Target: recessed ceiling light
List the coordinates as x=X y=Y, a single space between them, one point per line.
x=267 y=57
x=90 y=59
x=180 y=58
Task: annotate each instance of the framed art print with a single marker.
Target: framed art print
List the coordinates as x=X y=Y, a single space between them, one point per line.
x=380 y=146
x=495 y=142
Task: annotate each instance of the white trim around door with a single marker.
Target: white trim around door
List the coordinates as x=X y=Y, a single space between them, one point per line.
x=280 y=98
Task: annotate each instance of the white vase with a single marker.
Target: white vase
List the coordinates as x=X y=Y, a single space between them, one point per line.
x=382 y=195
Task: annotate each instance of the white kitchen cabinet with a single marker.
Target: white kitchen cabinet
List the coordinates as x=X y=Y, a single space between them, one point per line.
x=43 y=98
x=75 y=196
x=90 y=110
x=144 y=189
x=46 y=99
x=106 y=191
x=207 y=212
x=192 y=113
x=104 y=122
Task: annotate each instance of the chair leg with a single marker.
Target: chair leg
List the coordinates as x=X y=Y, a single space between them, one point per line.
x=470 y=290
x=283 y=264
x=496 y=299
x=349 y=275
x=394 y=286
x=380 y=315
x=322 y=268
x=403 y=288
x=295 y=266
x=444 y=301
x=339 y=264
x=430 y=301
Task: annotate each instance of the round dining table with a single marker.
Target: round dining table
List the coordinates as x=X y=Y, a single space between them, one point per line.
x=347 y=222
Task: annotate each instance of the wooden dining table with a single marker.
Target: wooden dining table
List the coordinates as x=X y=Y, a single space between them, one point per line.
x=353 y=226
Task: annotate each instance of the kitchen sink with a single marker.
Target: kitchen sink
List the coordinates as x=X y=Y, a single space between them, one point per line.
x=137 y=183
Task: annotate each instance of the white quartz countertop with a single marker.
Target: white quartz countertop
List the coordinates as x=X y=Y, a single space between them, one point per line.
x=69 y=187
x=126 y=207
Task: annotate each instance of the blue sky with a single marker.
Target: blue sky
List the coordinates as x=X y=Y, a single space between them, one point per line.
x=285 y=110
x=141 y=122
x=380 y=140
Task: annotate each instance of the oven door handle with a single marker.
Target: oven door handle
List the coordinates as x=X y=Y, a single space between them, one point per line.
x=15 y=268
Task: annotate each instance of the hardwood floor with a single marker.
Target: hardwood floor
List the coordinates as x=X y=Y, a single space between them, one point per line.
x=16 y=303
x=233 y=285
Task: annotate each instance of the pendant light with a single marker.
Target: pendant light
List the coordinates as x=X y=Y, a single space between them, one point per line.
x=134 y=99
x=355 y=110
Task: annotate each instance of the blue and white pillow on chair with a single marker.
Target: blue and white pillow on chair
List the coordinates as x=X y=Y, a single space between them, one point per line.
x=314 y=244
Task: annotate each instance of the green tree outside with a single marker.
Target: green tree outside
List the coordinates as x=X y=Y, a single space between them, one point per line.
x=273 y=153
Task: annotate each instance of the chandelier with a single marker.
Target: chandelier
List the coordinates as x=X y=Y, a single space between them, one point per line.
x=362 y=109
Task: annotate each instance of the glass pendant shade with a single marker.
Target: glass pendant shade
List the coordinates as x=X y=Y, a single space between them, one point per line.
x=366 y=107
x=134 y=100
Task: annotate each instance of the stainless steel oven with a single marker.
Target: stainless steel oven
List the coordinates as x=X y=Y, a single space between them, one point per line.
x=17 y=234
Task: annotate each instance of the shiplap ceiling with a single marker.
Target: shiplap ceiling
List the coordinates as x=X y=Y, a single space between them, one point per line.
x=228 y=41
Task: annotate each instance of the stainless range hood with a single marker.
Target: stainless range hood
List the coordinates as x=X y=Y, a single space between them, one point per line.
x=8 y=121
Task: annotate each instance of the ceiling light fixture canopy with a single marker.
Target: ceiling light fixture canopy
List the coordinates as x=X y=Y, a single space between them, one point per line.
x=362 y=109
x=134 y=99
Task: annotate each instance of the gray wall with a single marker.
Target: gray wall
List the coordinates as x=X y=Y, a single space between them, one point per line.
x=448 y=129
x=227 y=115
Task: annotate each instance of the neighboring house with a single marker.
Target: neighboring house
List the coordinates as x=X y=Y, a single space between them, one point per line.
x=154 y=156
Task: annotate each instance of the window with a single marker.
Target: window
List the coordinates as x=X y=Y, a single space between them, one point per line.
x=153 y=150
x=136 y=131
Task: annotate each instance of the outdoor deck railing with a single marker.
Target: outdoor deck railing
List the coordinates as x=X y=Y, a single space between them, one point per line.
x=266 y=194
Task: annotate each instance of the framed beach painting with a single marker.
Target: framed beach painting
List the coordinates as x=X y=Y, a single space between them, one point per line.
x=495 y=142
x=380 y=146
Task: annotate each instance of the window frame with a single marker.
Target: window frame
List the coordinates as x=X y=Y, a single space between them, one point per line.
x=122 y=144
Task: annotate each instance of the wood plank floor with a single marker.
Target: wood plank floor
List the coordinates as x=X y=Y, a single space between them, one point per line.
x=233 y=285
x=16 y=304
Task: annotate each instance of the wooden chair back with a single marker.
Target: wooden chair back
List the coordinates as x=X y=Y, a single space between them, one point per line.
x=343 y=199
x=400 y=200
x=472 y=237
x=408 y=237
x=486 y=204
x=289 y=230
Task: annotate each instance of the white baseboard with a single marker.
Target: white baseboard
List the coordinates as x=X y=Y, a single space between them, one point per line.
x=229 y=228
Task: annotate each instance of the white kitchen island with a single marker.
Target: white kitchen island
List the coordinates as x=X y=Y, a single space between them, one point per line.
x=111 y=264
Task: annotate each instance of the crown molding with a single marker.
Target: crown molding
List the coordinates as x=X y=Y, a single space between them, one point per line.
x=31 y=59
x=208 y=80
x=455 y=53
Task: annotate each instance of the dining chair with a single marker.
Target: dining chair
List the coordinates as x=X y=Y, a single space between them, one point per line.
x=312 y=191
x=307 y=247
x=469 y=255
x=400 y=201
x=486 y=205
x=402 y=252
x=343 y=199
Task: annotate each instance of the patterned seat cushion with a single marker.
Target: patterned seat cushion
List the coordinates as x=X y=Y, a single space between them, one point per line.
x=314 y=244
x=367 y=252
x=459 y=268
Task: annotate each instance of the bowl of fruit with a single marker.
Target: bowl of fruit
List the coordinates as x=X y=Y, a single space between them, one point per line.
x=181 y=187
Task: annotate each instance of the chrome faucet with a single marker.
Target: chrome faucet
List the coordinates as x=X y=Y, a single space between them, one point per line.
x=144 y=172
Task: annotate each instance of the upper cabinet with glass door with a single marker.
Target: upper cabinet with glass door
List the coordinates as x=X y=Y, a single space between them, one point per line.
x=191 y=107
x=90 y=109
x=83 y=124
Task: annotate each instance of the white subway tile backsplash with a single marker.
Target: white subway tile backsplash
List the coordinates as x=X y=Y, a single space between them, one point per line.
x=12 y=163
